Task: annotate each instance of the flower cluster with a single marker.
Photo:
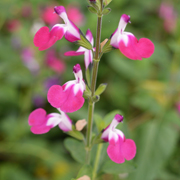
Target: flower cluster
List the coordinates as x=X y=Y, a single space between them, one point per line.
x=68 y=98
x=119 y=147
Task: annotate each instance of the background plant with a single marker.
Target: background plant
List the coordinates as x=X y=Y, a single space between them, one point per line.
x=147 y=95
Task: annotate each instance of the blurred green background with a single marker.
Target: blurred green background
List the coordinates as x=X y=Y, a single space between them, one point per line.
x=147 y=91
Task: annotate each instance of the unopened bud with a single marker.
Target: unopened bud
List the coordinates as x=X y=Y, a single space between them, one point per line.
x=80 y=124
x=84 y=178
x=76 y=68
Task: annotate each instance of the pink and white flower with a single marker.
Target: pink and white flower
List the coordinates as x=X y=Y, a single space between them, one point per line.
x=119 y=147
x=128 y=44
x=69 y=97
x=88 y=55
x=45 y=39
x=42 y=123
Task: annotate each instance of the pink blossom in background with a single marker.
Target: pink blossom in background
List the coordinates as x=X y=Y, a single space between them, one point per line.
x=29 y=61
x=49 y=17
x=169 y=15
x=45 y=39
x=119 y=147
x=69 y=97
x=88 y=55
x=128 y=44
x=54 y=63
x=42 y=123
x=13 y=25
x=75 y=15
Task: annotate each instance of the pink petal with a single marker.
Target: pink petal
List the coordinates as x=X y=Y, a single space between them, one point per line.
x=45 y=39
x=72 y=34
x=66 y=100
x=89 y=36
x=145 y=48
x=66 y=123
x=37 y=117
x=114 y=152
x=128 y=149
x=41 y=37
x=40 y=129
x=73 y=53
x=73 y=102
x=136 y=50
x=56 y=96
x=114 y=38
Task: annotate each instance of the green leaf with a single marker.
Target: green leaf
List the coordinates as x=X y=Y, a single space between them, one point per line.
x=83 y=41
x=85 y=170
x=76 y=149
x=92 y=9
x=111 y=167
x=107 y=47
x=99 y=122
x=76 y=134
x=157 y=140
x=106 y=11
x=106 y=2
x=101 y=89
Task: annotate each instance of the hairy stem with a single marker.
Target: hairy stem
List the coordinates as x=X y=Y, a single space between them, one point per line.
x=93 y=87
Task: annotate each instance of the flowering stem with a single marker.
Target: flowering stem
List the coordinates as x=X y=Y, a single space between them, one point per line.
x=98 y=154
x=93 y=87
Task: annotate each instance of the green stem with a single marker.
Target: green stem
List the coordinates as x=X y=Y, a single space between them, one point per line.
x=93 y=87
x=98 y=155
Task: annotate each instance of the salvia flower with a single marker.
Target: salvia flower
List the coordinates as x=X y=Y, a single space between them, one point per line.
x=88 y=56
x=128 y=44
x=45 y=39
x=69 y=97
x=42 y=123
x=119 y=147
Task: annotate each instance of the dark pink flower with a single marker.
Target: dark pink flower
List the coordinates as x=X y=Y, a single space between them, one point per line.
x=88 y=56
x=42 y=123
x=128 y=44
x=119 y=147
x=45 y=39
x=54 y=63
x=69 y=97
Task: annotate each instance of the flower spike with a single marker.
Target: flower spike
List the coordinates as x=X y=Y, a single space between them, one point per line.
x=119 y=147
x=42 y=123
x=45 y=39
x=88 y=56
x=128 y=44
x=69 y=97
